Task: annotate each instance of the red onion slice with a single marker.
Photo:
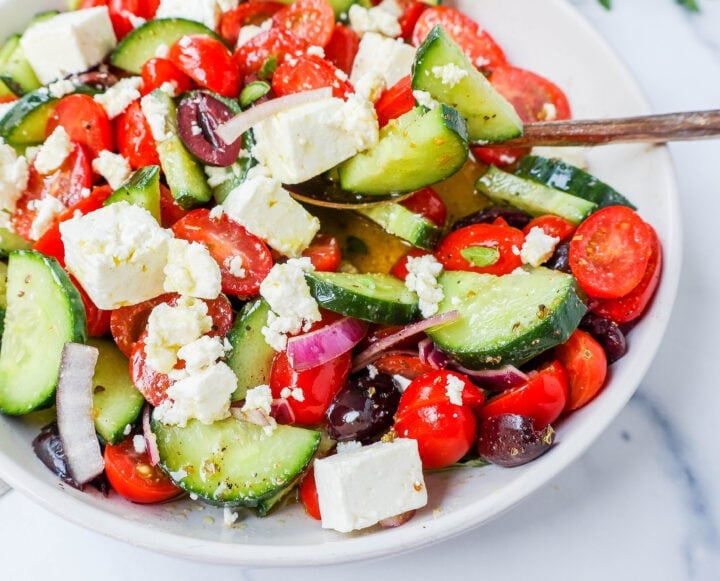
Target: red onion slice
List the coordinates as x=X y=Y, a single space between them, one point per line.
x=75 y=412
x=397 y=520
x=282 y=411
x=370 y=354
x=150 y=439
x=495 y=379
x=324 y=344
x=232 y=129
x=431 y=355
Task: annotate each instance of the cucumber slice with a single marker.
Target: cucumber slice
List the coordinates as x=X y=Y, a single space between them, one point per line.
x=141 y=44
x=10 y=241
x=573 y=180
x=532 y=197
x=490 y=117
x=506 y=319
x=378 y=298
x=421 y=148
x=44 y=311
x=397 y=220
x=15 y=68
x=116 y=402
x=251 y=357
x=232 y=462
x=142 y=189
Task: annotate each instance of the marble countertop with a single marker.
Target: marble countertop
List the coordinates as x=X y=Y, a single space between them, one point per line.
x=643 y=502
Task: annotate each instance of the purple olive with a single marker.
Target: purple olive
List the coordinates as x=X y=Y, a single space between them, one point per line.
x=559 y=259
x=363 y=408
x=511 y=440
x=514 y=217
x=198 y=116
x=606 y=332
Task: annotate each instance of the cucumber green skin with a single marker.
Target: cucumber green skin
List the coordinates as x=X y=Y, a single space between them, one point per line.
x=397 y=220
x=377 y=298
x=251 y=357
x=142 y=189
x=16 y=67
x=116 y=401
x=422 y=148
x=234 y=463
x=141 y=44
x=532 y=197
x=490 y=117
x=502 y=318
x=573 y=180
x=44 y=312
x=10 y=241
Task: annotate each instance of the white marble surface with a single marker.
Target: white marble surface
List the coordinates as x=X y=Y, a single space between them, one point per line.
x=643 y=502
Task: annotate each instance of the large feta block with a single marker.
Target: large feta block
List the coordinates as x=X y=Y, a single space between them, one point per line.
x=306 y=141
x=118 y=254
x=207 y=12
x=362 y=486
x=267 y=210
x=68 y=43
x=390 y=57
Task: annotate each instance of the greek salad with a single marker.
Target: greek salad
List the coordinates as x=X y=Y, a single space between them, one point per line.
x=200 y=326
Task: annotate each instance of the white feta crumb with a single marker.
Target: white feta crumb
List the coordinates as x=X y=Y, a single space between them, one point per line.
x=425 y=99
x=113 y=167
x=229 y=516
x=376 y=19
x=370 y=86
x=454 y=389
x=191 y=270
x=54 y=151
x=349 y=446
x=139 y=444
x=201 y=353
x=372 y=371
x=449 y=74
x=258 y=398
x=216 y=213
x=295 y=393
x=157 y=112
x=316 y=51
x=14 y=174
x=118 y=97
x=234 y=265
x=538 y=247
x=401 y=381
x=60 y=88
x=422 y=279
x=48 y=209
x=548 y=113
x=127 y=430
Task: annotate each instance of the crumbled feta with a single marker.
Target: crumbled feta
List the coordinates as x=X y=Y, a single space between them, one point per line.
x=293 y=308
x=316 y=51
x=372 y=371
x=139 y=444
x=350 y=494
x=201 y=353
x=538 y=247
x=54 y=151
x=375 y=19
x=234 y=265
x=425 y=99
x=117 y=253
x=191 y=270
x=422 y=279
x=48 y=209
x=60 y=88
x=454 y=387
x=206 y=12
x=370 y=86
x=392 y=58
x=113 y=167
x=449 y=74
x=14 y=173
x=258 y=398
x=548 y=113
x=349 y=446
x=118 y=97
x=246 y=33
x=217 y=176
x=157 y=112
x=295 y=393
x=71 y=42
x=229 y=516
x=401 y=381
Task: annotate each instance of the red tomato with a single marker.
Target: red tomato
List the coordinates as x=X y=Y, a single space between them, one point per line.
x=98 y=320
x=208 y=62
x=407 y=366
x=307 y=72
x=85 y=121
x=610 y=251
x=319 y=385
x=586 y=364
x=444 y=431
x=535 y=98
x=342 y=48
x=399 y=269
x=148 y=381
x=226 y=239
x=157 y=71
x=255 y=12
x=275 y=43
x=67 y=184
x=324 y=253
x=542 y=398
x=411 y=11
x=134 y=138
x=170 y=210
x=475 y=42
x=429 y=204
x=312 y=20
x=630 y=306
x=121 y=12
x=397 y=100
x=506 y=240
x=132 y=477
x=552 y=225
x=307 y=492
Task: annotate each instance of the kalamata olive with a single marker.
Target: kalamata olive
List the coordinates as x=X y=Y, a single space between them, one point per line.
x=515 y=218
x=97 y=79
x=363 y=408
x=511 y=440
x=607 y=333
x=559 y=259
x=199 y=116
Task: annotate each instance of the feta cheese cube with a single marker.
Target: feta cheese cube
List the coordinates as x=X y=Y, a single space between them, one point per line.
x=268 y=211
x=113 y=167
x=390 y=57
x=206 y=12
x=68 y=43
x=191 y=270
x=14 y=173
x=362 y=486
x=118 y=97
x=117 y=253
x=54 y=151
x=305 y=141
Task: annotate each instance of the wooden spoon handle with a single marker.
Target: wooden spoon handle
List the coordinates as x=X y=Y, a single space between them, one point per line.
x=643 y=129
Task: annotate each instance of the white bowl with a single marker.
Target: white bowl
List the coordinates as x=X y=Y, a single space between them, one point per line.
x=548 y=37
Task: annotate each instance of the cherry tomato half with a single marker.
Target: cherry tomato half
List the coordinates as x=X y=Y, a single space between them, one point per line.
x=312 y=20
x=255 y=12
x=399 y=269
x=307 y=72
x=157 y=71
x=407 y=366
x=85 y=122
x=342 y=48
x=275 y=44
x=324 y=253
x=552 y=225
x=132 y=477
x=586 y=364
x=482 y=248
x=208 y=62
x=610 y=251
x=429 y=204
x=397 y=100
x=307 y=492
x=134 y=138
